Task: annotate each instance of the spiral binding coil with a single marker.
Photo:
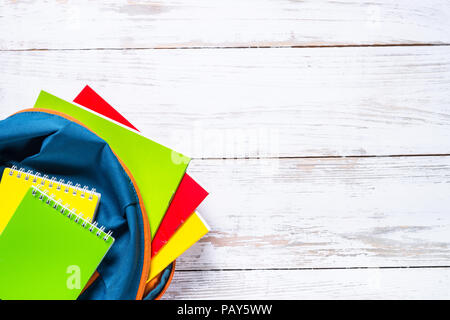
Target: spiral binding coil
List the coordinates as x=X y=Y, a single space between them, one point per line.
x=69 y=213
x=52 y=181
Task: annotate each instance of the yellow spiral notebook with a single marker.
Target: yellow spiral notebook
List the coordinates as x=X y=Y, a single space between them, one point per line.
x=15 y=184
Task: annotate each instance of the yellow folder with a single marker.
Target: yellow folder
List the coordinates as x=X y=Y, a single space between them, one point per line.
x=15 y=184
x=193 y=229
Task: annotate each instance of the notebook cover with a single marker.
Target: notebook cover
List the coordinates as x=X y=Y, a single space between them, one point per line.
x=157 y=170
x=45 y=254
x=189 y=194
x=14 y=186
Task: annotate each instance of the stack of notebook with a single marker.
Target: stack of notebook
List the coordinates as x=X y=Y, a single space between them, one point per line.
x=36 y=209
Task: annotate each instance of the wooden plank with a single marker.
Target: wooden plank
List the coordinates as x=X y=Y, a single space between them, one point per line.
x=429 y=283
x=259 y=102
x=215 y=23
x=323 y=213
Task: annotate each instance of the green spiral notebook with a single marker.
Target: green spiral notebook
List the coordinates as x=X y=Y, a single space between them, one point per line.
x=47 y=251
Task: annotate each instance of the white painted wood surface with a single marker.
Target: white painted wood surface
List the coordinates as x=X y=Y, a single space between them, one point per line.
x=211 y=23
x=430 y=283
x=257 y=102
x=345 y=194
x=323 y=213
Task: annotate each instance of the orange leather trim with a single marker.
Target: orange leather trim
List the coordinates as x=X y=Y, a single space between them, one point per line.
x=147 y=234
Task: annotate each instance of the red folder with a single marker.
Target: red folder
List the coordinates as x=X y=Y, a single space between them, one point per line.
x=189 y=194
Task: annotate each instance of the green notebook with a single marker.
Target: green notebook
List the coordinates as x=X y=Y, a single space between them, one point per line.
x=47 y=251
x=157 y=170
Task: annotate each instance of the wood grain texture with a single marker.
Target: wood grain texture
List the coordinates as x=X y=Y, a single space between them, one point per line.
x=215 y=23
x=284 y=225
x=323 y=213
x=433 y=283
x=257 y=102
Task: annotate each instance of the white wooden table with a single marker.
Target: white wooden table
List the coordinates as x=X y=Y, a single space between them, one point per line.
x=321 y=129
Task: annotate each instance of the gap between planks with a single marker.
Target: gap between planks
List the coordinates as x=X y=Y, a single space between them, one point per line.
x=375 y=45
x=329 y=157
x=304 y=269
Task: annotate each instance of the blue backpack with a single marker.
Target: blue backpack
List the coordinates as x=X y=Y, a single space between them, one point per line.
x=64 y=148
